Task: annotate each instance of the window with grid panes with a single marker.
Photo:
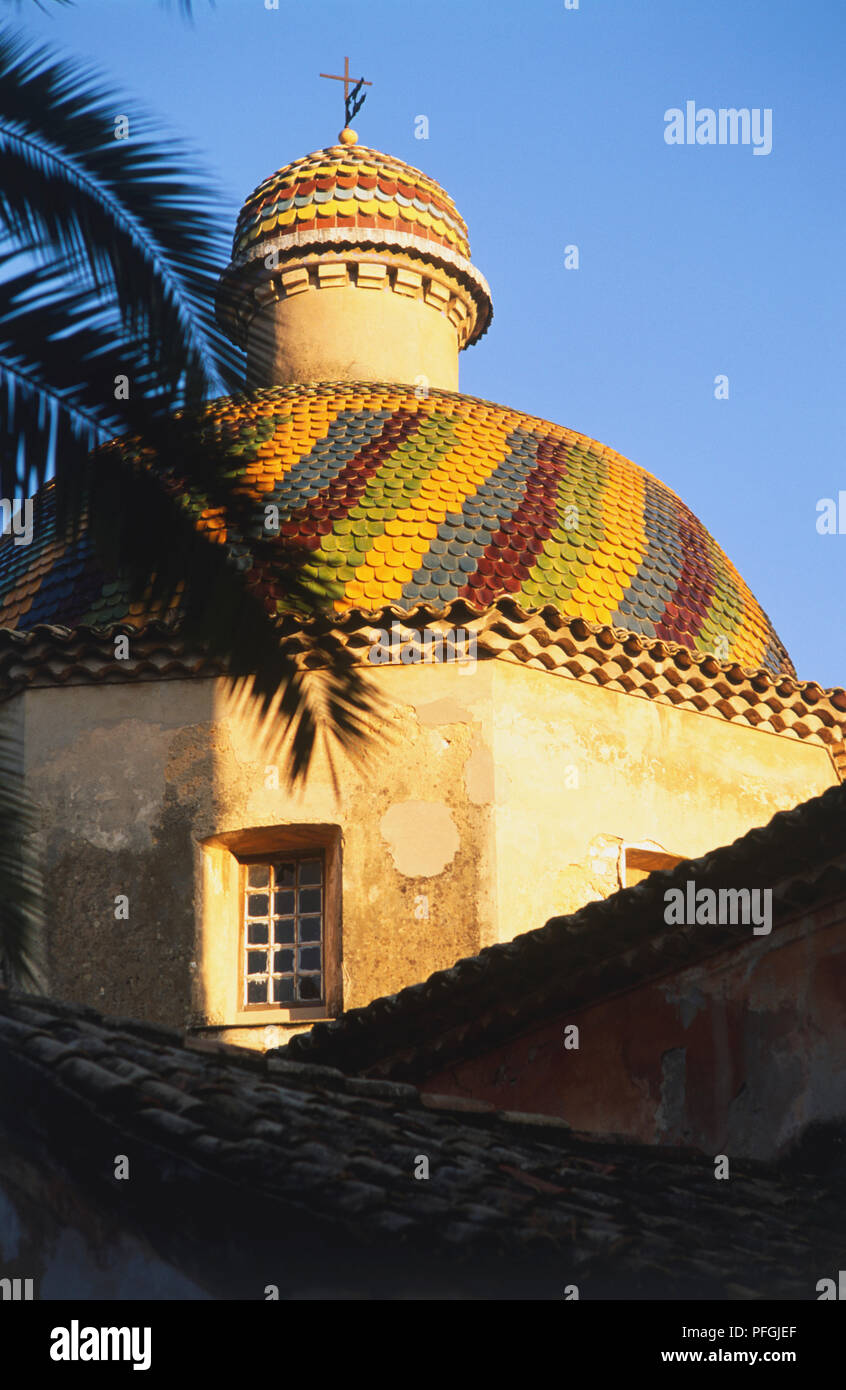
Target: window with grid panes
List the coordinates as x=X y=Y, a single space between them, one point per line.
x=283 y=903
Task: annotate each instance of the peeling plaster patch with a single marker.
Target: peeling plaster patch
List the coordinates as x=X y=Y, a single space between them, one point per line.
x=193 y=758
x=689 y=1002
x=670 y=1112
x=763 y=1115
x=575 y=885
x=603 y=855
x=602 y=862
x=479 y=775
x=422 y=837
x=130 y=769
x=596 y=877
x=445 y=711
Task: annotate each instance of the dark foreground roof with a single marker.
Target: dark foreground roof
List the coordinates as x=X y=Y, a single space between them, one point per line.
x=611 y=944
x=247 y=1169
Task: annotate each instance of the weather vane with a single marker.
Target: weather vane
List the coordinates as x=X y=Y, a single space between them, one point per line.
x=351 y=105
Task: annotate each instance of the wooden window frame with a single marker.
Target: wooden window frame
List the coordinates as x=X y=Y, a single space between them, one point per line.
x=244 y=863
x=225 y=856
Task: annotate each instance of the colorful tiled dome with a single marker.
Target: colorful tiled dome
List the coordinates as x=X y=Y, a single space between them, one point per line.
x=350 y=186
x=327 y=220
x=399 y=499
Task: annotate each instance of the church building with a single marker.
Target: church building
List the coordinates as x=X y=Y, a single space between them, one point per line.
x=577 y=687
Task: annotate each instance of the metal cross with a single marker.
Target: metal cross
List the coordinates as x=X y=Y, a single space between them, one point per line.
x=349 y=98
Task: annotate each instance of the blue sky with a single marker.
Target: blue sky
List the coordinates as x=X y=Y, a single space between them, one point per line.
x=546 y=125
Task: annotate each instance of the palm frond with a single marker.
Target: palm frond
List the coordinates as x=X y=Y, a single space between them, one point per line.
x=121 y=213
x=41 y=4
x=141 y=501
x=109 y=259
x=149 y=522
x=185 y=7
x=119 y=252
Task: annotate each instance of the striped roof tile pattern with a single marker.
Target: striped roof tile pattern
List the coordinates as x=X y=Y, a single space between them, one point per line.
x=350 y=186
x=400 y=499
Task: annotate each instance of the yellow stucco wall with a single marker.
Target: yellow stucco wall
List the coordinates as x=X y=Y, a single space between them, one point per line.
x=581 y=771
x=345 y=333
x=491 y=801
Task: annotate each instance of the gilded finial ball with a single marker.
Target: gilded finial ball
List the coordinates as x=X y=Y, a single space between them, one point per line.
x=348 y=136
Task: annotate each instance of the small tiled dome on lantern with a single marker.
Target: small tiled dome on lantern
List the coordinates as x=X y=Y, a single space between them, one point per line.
x=351 y=186
x=351 y=264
